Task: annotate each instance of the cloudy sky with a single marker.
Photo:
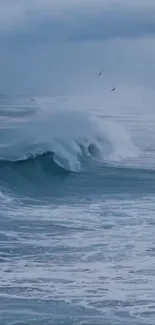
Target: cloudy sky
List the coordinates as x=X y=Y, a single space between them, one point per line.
x=56 y=47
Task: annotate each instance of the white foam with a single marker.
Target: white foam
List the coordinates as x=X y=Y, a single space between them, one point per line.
x=117 y=144
x=109 y=264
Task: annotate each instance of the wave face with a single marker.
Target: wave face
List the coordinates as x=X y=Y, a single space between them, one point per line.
x=77 y=184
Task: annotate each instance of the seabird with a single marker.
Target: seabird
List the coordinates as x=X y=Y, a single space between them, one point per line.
x=100 y=73
x=112 y=89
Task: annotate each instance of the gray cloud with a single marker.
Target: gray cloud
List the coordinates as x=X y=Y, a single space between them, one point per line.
x=116 y=23
x=77 y=20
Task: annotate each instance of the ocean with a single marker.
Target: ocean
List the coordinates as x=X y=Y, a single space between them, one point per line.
x=77 y=210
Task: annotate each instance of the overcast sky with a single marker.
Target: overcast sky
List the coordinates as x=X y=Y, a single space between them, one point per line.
x=44 y=41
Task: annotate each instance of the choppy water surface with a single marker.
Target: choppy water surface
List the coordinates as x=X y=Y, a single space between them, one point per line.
x=77 y=207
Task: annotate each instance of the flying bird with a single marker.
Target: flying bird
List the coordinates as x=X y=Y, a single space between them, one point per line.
x=100 y=73
x=112 y=89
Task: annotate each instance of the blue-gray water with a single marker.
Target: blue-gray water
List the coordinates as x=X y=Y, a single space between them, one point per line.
x=77 y=213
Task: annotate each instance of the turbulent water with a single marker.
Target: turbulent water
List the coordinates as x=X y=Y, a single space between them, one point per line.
x=77 y=212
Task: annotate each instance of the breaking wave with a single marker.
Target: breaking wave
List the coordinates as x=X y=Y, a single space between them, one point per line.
x=68 y=137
